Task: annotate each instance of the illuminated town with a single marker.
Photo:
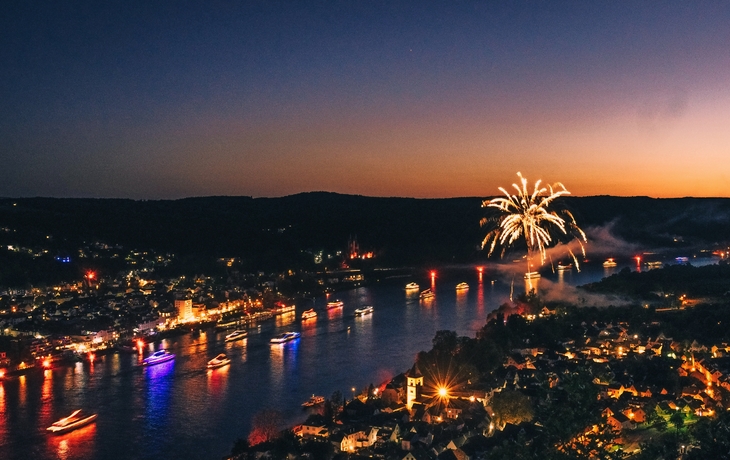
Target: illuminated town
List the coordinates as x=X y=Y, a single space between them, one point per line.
x=263 y=230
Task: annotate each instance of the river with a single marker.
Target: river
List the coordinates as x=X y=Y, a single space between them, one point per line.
x=179 y=409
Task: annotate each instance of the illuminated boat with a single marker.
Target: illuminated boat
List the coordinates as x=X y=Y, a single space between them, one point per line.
x=309 y=314
x=236 y=335
x=412 y=286
x=609 y=263
x=532 y=275
x=72 y=422
x=285 y=337
x=563 y=267
x=219 y=361
x=366 y=310
x=653 y=265
x=158 y=357
x=335 y=304
x=313 y=401
x=462 y=286
x=427 y=294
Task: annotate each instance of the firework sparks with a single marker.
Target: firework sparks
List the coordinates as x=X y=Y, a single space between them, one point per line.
x=529 y=216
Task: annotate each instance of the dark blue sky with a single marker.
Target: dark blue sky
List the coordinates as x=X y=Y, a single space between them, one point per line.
x=174 y=99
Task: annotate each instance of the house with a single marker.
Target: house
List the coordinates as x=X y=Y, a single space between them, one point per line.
x=619 y=422
x=420 y=454
x=409 y=440
x=348 y=441
x=314 y=430
x=455 y=454
x=635 y=414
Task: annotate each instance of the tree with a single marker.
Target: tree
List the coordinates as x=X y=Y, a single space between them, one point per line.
x=445 y=342
x=511 y=406
x=677 y=420
x=265 y=426
x=239 y=447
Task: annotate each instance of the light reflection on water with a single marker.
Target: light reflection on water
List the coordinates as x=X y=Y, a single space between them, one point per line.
x=179 y=409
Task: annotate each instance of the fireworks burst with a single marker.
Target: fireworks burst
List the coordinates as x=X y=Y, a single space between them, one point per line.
x=529 y=216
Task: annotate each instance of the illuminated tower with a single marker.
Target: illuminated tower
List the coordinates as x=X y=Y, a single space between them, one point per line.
x=353 y=248
x=414 y=384
x=184 y=309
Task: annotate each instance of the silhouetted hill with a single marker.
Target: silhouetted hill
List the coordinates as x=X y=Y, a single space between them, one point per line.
x=275 y=233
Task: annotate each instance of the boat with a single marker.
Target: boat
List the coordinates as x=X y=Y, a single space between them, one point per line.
x=285 y=337
x=532 y=275
x=236 y=335
x=309 y=314
x=335 y=304
x=427 y=294
x=313 y=401
x=609 y=263
x=653 y=265
x=125 y=347
x=366 y=310
x=219 y=361
x=462 y=286
x=158 y=357
x=563 y=267
x=412 y=286
x=76 y=420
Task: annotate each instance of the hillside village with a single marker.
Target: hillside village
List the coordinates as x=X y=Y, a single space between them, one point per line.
x=607 y=386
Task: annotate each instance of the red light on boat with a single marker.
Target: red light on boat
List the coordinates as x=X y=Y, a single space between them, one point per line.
x=92 y=357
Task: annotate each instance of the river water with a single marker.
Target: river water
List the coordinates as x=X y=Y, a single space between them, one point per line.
x=179 y=409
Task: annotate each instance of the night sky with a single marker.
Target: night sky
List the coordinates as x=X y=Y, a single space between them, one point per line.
x=152 y=100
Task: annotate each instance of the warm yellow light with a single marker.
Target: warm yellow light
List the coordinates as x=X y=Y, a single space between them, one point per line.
x=443 y=392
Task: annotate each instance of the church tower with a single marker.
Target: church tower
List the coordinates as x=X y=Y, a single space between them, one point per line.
x=414 y=384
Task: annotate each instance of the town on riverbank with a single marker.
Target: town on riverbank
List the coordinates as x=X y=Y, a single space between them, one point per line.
x=47 y=325
x=544 y=380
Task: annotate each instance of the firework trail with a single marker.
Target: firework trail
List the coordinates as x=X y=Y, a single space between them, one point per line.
x=528 y=215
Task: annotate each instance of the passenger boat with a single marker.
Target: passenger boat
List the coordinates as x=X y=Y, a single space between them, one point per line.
x=609 y=263
x=219 y=361
x=462 y=286
x=366 y=310
x=427 y=294
x=158 y=357
x=313 y=401
x=532 y=275
x=285 y=337
x=236 y=335
x=309 y=314
x=563 y=267
x=335 y=304
x=412 y=286
x=655 y=264
x=72 y=422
